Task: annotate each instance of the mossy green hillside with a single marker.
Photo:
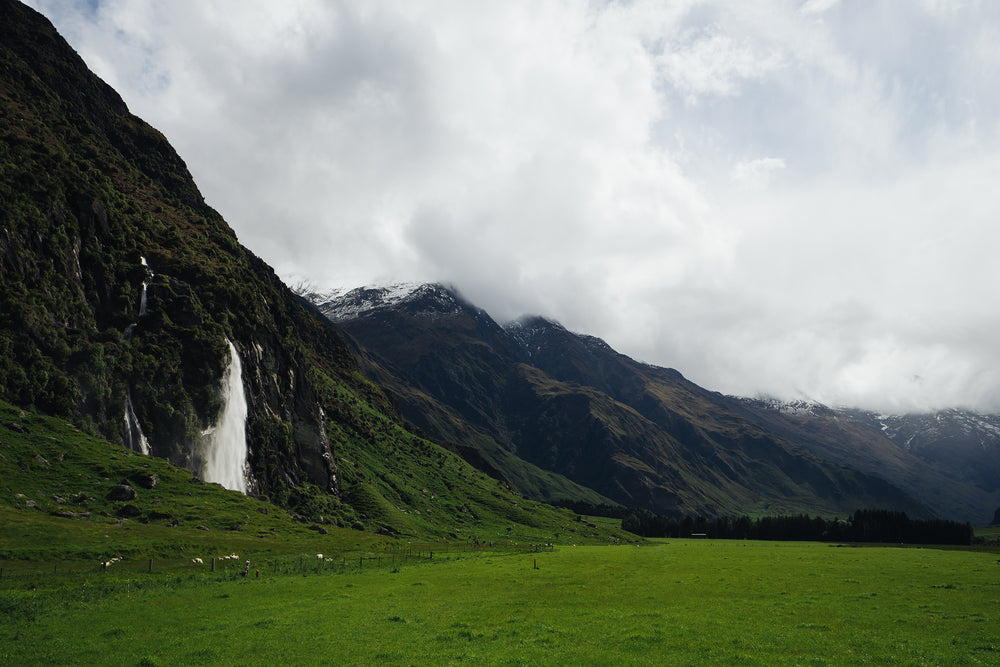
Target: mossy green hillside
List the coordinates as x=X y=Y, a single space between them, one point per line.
x=55 y=483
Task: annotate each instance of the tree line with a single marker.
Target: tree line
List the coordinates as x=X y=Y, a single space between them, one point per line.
x=871 y=525
x=864 y=526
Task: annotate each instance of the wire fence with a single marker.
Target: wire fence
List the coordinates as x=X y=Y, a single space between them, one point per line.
x=391 y=557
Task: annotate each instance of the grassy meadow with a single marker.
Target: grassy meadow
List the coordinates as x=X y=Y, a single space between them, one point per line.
x=667 y=602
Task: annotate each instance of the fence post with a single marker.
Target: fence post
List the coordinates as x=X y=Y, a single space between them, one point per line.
x=150 y=564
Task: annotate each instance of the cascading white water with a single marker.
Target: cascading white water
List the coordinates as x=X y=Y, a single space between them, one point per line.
x=226 y=441
x=145 y=284
x=133 y=432
x=134 y=436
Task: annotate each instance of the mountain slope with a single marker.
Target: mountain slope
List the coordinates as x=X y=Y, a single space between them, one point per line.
x=123 y=296
x=569 y=404
x=452 y=393
x=948 y=459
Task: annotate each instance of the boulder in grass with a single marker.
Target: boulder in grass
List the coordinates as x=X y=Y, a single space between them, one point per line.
x=146 y=480
x=122 y=492
x=129 y=511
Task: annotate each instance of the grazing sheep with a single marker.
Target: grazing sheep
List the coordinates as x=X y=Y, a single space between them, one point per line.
x=197 y=561
x=319 y=556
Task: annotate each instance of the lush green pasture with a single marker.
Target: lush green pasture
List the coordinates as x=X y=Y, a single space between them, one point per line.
x=989 y=533
x=676 y=602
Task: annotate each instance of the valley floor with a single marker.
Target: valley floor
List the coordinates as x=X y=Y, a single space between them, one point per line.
x=671 y=602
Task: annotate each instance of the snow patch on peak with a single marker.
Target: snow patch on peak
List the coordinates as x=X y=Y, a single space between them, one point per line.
x=342 y=305
x=527 y=329
x=530 y=325
x=798 y=407
x=533 y=332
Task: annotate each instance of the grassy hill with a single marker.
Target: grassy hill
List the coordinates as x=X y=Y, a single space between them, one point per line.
x=57 y=502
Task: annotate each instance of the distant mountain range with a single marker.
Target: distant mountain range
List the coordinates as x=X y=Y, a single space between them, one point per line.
x=569 y=405
x=949 y=459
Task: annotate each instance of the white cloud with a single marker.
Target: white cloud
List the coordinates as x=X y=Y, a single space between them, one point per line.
x=769 y=196
x=818 y=6
x=709 y=61
x=756 y=174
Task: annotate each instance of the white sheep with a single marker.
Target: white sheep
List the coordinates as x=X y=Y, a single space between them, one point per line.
x=197 y=561
x=319 y=556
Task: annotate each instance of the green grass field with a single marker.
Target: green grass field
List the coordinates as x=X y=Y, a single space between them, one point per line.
x=676 y=602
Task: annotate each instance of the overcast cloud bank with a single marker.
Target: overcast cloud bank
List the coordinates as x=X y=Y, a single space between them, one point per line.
x=790 y=198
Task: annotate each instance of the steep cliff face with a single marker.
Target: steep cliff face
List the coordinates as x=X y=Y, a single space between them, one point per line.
x=120 y=286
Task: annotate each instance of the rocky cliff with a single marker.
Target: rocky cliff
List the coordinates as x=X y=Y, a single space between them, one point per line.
x=120 y=286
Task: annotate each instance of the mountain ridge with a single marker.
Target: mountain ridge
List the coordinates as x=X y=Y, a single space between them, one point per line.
x=641 y=435
x=953 y=472
x=957 y=475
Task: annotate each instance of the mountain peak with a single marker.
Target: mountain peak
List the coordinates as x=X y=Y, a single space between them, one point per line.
x=534 y=333
x=424 y=298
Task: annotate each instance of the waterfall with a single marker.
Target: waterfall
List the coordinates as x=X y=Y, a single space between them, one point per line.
x=134 y=437
x=145 y=284
x=133 y=431
x=226 y=441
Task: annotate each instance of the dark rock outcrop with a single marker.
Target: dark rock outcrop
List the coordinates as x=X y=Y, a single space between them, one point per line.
x=122 y=492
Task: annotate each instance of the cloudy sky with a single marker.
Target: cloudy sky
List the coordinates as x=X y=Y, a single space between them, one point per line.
x=794 y=198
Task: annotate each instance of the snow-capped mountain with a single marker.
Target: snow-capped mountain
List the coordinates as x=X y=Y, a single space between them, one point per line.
x=920 y=431
x=340 y=305
x=532 y=332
